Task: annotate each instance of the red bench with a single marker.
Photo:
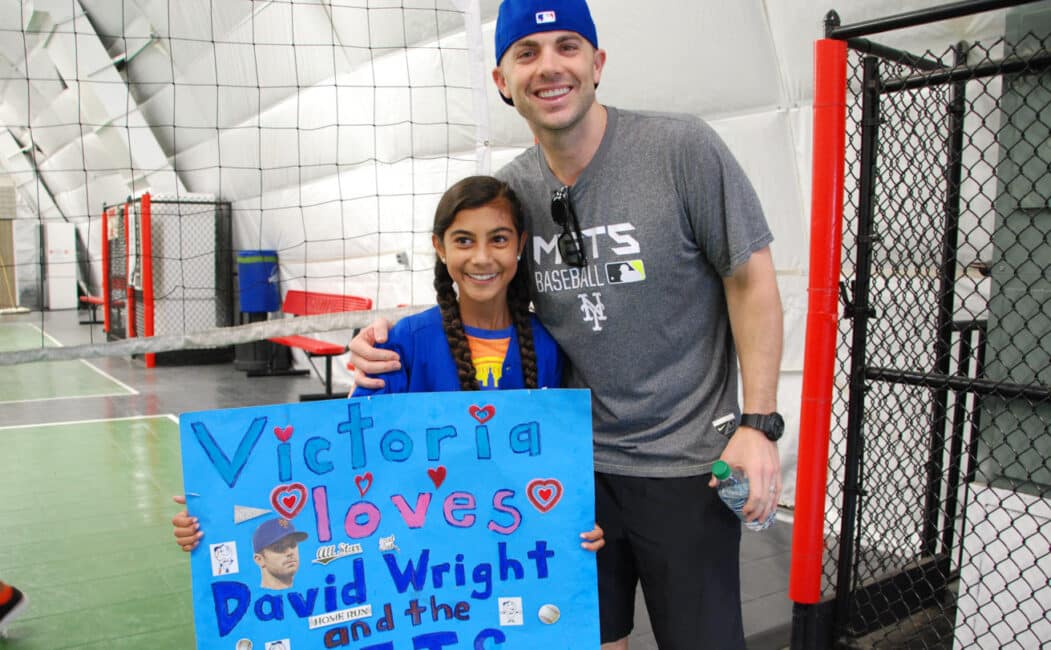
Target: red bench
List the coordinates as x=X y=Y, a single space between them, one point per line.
x=93 y=303
x=310 y=303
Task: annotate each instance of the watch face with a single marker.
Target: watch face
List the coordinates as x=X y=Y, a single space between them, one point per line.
x=778 y=427
x=772 y=425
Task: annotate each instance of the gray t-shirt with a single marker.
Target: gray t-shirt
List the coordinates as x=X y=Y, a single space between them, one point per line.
x=666 y=213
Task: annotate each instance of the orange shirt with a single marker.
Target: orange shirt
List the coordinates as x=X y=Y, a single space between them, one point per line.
x=488 y=356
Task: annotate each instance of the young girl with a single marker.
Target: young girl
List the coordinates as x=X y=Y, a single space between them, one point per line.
x=481 y=335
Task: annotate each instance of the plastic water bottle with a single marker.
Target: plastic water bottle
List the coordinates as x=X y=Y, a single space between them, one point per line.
x=733 y=490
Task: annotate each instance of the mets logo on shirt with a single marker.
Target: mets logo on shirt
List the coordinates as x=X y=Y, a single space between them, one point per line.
x=544 y=17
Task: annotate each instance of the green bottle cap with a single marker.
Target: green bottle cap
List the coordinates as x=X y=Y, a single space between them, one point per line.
x=721 y=470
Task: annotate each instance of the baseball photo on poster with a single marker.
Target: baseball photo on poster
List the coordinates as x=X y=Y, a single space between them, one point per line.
x=425 y=520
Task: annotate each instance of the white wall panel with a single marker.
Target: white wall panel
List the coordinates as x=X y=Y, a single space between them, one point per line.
x=764 y=145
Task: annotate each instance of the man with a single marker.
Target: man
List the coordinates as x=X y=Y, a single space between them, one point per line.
x=657 y=341
x=276 y=547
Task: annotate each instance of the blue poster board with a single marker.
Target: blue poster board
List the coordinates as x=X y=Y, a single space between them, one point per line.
x=395 y=522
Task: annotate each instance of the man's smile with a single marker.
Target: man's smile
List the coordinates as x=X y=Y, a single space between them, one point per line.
x=552 y=93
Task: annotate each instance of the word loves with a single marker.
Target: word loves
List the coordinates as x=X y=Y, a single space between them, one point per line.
x=332 y=552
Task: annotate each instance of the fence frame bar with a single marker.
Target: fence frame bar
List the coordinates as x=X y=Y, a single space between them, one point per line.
x=922 y=17
x=946 y=305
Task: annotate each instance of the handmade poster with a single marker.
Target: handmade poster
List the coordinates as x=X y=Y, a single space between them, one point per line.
x=398 y=522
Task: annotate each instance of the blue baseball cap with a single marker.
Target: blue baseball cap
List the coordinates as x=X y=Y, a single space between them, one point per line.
x=520 y=18
x=273 y=531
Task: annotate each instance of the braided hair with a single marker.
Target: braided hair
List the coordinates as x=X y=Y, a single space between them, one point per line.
x=475 y=192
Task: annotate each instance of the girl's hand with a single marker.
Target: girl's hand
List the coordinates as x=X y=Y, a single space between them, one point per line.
x=188 y=532
x=594 y=539
x=367 y=359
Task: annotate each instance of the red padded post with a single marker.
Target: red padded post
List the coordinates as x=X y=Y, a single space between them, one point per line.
x=826 y=237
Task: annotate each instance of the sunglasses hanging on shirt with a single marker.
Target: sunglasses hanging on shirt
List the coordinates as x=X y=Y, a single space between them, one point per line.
x=571 y=241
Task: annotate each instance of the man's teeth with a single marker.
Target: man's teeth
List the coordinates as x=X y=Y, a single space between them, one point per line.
x=555 y=92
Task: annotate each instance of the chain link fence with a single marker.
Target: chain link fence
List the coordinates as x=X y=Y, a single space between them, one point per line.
x=192 y=264
x=940 y=469
x=169 y=269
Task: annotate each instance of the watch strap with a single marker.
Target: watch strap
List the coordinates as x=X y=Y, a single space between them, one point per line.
x=771 y=424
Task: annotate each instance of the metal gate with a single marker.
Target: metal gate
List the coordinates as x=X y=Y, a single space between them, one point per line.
x=937 y=524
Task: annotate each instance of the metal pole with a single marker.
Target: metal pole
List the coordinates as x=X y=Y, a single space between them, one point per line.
x=921 y=17
x=976 y=414
x=946 y=308
x=959 y=420
x=861 y=312
x=983 y=387
x=865 y=46
x=1008 y=65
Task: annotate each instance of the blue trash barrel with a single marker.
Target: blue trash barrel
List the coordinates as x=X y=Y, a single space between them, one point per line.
x=257 y=281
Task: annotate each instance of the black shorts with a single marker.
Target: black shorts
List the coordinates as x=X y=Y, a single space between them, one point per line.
x=677 y=538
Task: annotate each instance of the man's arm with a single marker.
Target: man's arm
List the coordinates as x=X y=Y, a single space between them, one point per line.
x=754 y=306
x=367 y=359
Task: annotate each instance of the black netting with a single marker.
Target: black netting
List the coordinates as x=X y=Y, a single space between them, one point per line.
x=327 y=131
x=940 y=469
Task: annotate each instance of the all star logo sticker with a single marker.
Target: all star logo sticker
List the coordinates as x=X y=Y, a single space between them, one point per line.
x=544 y=17
x=332 y=552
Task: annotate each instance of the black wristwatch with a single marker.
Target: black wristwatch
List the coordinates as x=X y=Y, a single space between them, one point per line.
x=772 y=424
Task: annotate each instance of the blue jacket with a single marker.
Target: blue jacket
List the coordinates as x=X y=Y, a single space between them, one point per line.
x=427 y=365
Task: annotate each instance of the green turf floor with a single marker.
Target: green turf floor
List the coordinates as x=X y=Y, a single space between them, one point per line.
x=49 y=379
x=86 y=514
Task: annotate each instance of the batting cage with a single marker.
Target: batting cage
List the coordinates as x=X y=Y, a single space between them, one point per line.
x=167 y=269
x=924 y=496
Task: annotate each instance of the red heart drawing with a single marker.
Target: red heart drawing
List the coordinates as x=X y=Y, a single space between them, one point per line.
x=544 y=493
x=283 y=434
x=482 y=413
x=364 y=482
x=437 y=475
x=289 y=499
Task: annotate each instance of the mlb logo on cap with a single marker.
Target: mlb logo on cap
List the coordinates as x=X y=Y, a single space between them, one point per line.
x=520 y=18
